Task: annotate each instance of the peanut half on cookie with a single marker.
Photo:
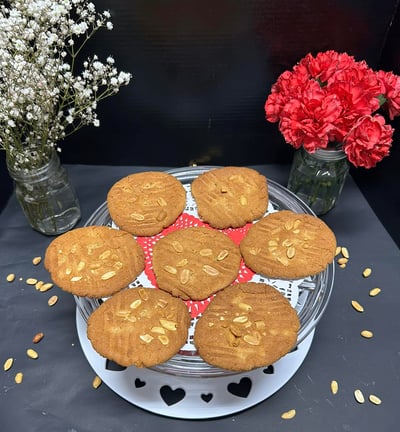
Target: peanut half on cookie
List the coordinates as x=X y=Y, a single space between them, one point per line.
x=145 y=203
x=229 y=197
x=139 y=327
x=94 y=261
x=246 y=325
x=288 y=245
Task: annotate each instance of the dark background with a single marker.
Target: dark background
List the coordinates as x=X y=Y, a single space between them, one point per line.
x=202 y=71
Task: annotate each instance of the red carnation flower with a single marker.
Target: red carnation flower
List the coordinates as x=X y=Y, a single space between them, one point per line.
x=333 y=97
x=369 y=141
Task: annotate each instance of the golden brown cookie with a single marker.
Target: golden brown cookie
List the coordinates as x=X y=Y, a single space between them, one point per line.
x=194 y=263
x=139 y=326
x=288 y=245
x=229 y=197
x=94 y=261
x=246 y=325
x=145 y=203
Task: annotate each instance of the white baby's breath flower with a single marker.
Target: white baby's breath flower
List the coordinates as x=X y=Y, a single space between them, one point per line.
x=42 y=96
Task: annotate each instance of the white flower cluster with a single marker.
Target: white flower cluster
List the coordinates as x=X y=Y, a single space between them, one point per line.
x=44 y=94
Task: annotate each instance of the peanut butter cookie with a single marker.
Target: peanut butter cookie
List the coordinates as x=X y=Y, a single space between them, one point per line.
x=194 y=263
x=94 y=261
x=139 y=326
x=229 y=197
x=246 y=325
x=145 y=203
x=288 y=245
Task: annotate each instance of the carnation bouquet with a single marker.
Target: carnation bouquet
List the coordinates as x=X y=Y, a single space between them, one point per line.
x=45 y=93
x=332 y=98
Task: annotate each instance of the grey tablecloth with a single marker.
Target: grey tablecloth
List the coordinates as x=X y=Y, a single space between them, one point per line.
x=57 y=395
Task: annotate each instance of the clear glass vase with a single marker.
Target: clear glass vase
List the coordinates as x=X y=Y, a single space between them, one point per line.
x=46 y=196
x=318 y=178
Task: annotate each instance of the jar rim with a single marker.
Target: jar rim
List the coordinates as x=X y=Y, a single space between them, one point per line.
x=24 y=174
x=328 y=154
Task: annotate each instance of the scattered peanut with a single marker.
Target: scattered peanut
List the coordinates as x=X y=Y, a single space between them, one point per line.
x=96 y=382
x=367 y=334
x=345 y=252
x=52 y=300
x=36 y=260
x=45 y=287
x=374 y=292
x=8 y=363
x=19 y=377
x=359 y=397
x=38 y=337
x=31 y=281
x=374 y=399
x=288 y=414
x=342 y=260
x=367 y=272
x=31 y=353
x=334 y=387
x=357 y=306
x=10 y=277
x=39 y=285
x=338 y=250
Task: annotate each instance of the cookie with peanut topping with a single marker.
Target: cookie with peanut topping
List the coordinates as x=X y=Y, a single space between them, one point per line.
x=139 y=326
x=229 y=197
x=288 y=245
x=94 y=261
x=246 y=325
x=147 y=202
x=194 y=263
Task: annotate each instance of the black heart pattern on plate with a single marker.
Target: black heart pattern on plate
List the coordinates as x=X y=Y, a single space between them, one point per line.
x=206 y=397
x=170 y=396
x=139 y=383
x=269 y=370
x=240 y=389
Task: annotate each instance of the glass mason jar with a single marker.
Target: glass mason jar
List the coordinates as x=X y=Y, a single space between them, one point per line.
x=46 y=196
x=318 y=178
